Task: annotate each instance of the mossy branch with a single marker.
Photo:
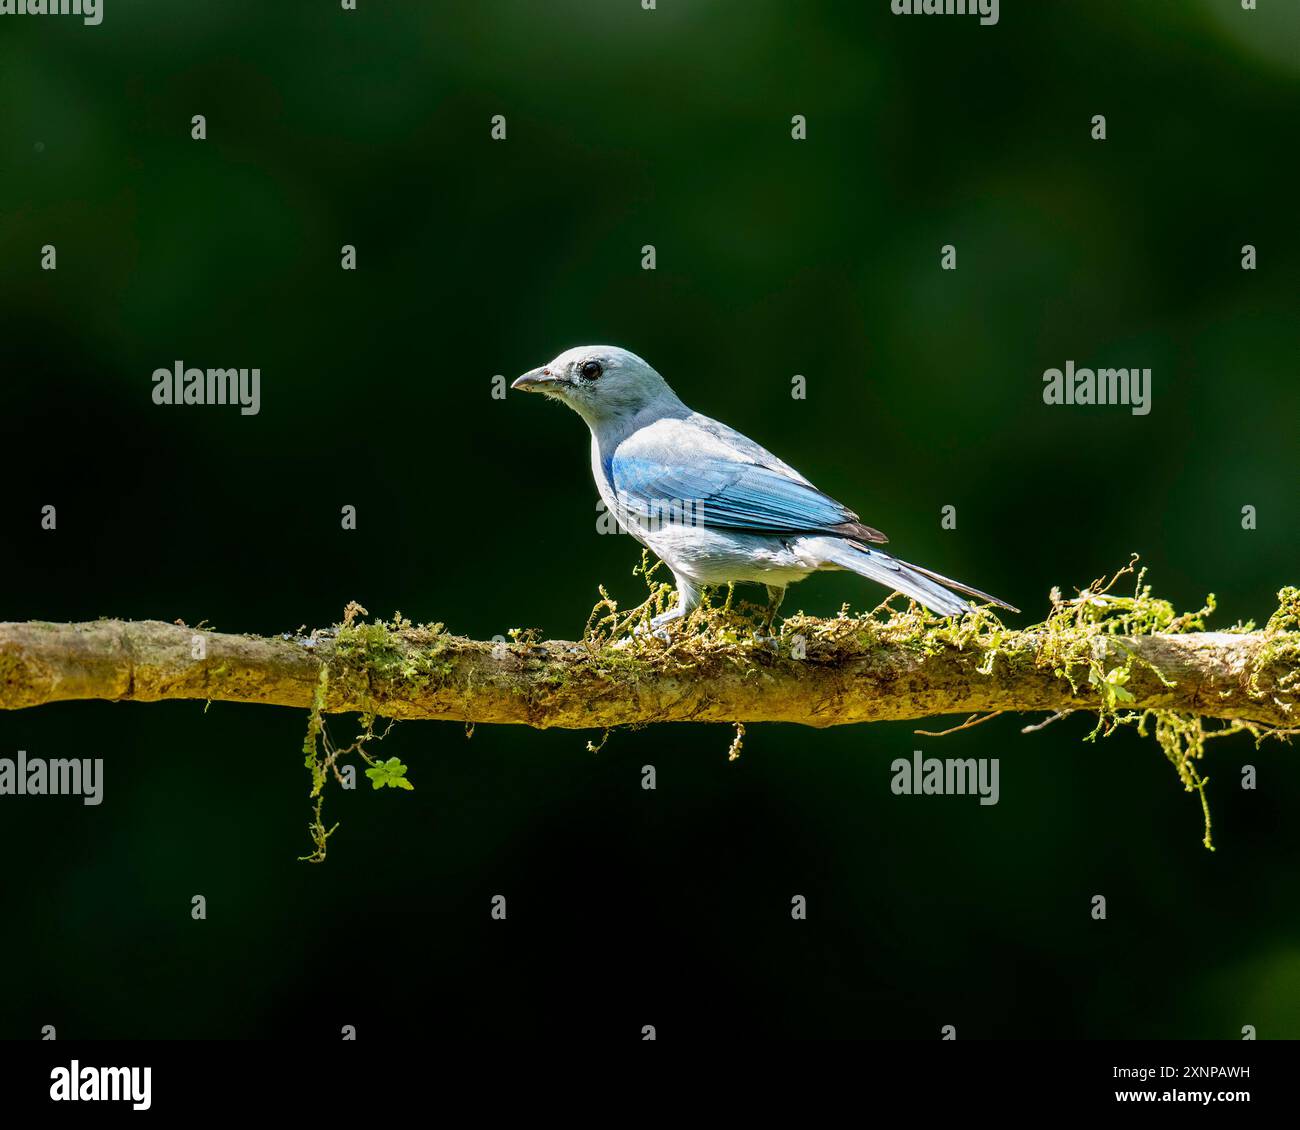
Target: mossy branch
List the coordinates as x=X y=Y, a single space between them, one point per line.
x=818 y=672
x=1128 y=660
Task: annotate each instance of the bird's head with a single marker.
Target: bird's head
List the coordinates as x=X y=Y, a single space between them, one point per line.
x=599 y=382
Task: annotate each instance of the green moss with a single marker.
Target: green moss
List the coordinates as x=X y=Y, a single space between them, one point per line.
x=1076 y=641
x=371 y=663
x=1281 y=642
x=1079 y=642
x=315 y=760
x=378 y=660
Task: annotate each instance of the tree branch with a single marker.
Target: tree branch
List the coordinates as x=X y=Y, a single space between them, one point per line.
x=410 y=672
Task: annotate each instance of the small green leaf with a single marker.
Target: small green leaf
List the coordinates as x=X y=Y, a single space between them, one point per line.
x=391 y=773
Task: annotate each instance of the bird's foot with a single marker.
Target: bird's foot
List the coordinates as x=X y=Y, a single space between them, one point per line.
x=641 y=631
x=658 y=628
x=318 y=635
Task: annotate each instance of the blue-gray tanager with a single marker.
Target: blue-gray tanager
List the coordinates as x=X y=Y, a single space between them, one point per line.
x=712 y=504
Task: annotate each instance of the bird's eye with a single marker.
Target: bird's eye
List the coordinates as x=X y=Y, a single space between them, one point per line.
x=591 y=370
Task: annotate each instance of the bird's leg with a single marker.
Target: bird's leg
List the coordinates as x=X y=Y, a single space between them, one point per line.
x=688 y=598
x=775 y=595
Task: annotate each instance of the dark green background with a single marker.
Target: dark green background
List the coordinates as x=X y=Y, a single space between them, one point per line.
x=775 y=257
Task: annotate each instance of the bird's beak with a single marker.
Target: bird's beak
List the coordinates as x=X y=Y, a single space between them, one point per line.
x=535 y=380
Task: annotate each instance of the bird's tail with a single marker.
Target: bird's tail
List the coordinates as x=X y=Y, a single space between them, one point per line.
x=922 y=585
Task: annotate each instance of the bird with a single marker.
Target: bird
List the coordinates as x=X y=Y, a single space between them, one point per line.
x=715 y=506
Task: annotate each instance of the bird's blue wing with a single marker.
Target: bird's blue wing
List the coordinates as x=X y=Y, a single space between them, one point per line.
x=675 y=471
